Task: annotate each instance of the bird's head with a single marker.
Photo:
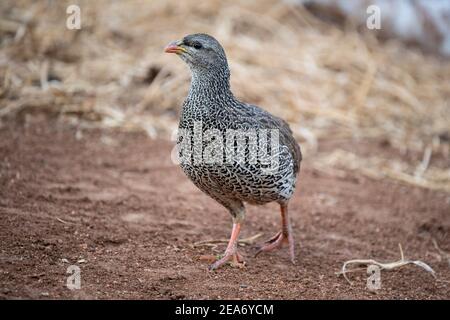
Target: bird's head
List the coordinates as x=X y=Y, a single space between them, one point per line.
x=201 y=52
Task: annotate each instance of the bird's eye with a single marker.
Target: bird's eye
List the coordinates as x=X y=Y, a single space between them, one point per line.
x=197 y=45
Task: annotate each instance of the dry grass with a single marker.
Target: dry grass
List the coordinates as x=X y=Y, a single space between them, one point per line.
x=328 y=83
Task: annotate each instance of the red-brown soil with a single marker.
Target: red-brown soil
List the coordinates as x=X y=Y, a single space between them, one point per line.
x=116 y=202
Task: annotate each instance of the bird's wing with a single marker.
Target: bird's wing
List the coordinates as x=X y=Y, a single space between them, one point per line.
x=267 y=120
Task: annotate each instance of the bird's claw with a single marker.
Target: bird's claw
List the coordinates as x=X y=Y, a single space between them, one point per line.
x=234 y=259
x=277 y=242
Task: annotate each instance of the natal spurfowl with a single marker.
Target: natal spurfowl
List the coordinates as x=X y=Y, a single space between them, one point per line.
x=211 y=107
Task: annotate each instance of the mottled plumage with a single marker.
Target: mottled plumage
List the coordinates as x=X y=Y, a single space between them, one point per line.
x=211 y=102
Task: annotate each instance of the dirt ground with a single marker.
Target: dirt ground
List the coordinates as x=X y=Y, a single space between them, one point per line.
x=116 y=206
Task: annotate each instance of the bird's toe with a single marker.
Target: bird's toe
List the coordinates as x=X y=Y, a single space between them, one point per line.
x=234 y=259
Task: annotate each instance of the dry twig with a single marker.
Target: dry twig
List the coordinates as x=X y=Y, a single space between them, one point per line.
x=384 y=266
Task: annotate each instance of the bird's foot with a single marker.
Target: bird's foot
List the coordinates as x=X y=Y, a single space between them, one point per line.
x=234 y=258
x=277 y=242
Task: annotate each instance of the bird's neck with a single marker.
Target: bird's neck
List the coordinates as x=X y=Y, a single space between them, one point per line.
x=210 y=84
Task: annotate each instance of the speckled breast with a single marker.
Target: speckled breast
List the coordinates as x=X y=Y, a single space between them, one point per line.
x=247 y=181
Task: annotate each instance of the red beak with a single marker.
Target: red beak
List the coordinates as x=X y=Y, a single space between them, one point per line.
x=173 y=47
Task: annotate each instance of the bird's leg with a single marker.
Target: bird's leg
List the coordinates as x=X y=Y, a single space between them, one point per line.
x=285 y=235
x=231 y=253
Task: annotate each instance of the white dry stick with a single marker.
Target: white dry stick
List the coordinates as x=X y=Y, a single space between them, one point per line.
x=43 y=77
x=423 y=166
x=385 y=266
x=61 y=220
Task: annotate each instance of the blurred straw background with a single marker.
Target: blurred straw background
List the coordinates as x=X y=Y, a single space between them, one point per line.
x=330 y=83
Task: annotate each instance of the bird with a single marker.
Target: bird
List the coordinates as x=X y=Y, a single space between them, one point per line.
x=233 y=184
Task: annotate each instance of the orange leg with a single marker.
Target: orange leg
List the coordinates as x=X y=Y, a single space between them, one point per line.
x=284 y=236
x=231 y=253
